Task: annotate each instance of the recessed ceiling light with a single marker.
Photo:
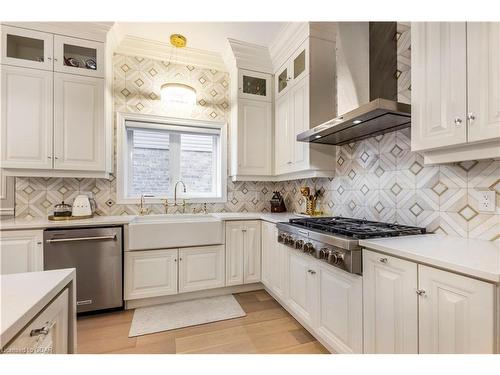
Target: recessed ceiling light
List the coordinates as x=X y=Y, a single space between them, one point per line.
x=357 y=122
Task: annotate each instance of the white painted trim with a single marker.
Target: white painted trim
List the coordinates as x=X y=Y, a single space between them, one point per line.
x=132 y=304
x=19 y=172
x=95 y=31
x=488 y=150
x=121 y=165
x=134 y=46
x=286 y=177
x=248 y=56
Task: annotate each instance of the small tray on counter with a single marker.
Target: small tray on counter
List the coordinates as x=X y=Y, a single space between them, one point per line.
x=66 y=218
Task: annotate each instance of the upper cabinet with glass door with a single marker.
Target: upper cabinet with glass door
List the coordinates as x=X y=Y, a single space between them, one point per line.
x=27 y=48
x=254 y=85
x=296 y=67
x=78 y=56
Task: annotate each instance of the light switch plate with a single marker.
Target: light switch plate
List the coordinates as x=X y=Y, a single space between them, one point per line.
x=487 y=201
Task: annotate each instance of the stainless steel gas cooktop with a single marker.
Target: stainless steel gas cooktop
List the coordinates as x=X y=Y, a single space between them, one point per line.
x=336 y=239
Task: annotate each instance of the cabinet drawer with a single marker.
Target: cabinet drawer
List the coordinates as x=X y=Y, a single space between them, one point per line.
x=48 y=333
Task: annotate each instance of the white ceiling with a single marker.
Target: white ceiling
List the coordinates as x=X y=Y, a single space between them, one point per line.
x=208 y=36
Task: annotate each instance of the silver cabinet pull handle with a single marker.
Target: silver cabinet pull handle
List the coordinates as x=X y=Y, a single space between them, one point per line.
x=39 y=331
x=420 y=292
x=471 y=116
x=458 y=122
x=383 y=260
x=112 y=237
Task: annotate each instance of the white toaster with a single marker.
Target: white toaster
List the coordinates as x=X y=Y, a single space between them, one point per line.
x=82 y=206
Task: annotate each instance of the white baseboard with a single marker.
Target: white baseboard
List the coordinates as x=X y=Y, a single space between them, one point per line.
x=132 y=304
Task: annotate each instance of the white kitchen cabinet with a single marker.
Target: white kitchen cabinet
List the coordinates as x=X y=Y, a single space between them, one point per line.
x=150 y=273
x=279 y=270
x=243 y=252
x=253 y=132
x=439 y=84
x=307 y=101
x=47 y=333
x=293 y=70
x=65 y=132
x=269 y=244
x=389 y=304
x=456 y=313
x=201 y=268
x=78 y=56
x=26 y=48
x=302 y=282
x=340 y=309
x=254 y=85
x=79 y=126
x=234 y=253
x=26 y=118
x=455 y=90
x=21 y=251
x=483 y=80
x=283 y=136
x=299 y=118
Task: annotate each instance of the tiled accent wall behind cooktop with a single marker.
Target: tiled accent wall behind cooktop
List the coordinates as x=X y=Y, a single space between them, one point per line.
x=379 y=178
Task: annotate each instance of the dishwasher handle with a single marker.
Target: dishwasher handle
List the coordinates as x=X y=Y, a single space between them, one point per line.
x=59 y=240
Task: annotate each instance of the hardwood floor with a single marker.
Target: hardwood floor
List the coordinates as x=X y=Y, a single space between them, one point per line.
x=267 y=328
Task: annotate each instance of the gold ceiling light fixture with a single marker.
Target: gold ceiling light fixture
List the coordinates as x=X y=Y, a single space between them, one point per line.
x=174 y=94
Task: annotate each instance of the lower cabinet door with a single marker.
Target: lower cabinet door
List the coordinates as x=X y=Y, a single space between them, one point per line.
x=456 y=313
x=201 y=268
x=279 y=270
x=47 y=333
x=302 y=292
x=389 y=304
x=251 y=252
x=150 y=273
x=235 y=243
x=340 y=311
x=21 y=251
x=269 y=244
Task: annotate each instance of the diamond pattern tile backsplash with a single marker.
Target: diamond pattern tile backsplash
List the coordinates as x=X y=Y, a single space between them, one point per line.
x=377 y=179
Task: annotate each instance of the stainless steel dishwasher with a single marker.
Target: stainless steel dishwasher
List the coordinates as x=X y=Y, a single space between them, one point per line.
x=96 y=253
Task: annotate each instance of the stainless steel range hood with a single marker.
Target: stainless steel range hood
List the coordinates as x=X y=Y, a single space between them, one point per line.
x=382 y=113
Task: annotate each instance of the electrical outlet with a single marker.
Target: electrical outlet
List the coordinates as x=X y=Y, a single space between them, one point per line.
x=487 y=201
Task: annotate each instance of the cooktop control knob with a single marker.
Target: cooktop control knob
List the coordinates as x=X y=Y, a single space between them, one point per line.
x=281 y=237
x=323 y=253
x=336 y=257
x=308 y=248
x=299 y=244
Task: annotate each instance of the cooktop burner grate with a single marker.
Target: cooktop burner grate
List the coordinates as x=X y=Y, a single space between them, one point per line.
x=356 y=228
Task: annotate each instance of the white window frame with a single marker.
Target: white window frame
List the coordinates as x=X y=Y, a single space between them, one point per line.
x=162 y=122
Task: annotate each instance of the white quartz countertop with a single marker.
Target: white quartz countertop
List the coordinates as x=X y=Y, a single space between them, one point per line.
x=476 y=258
x=24 y=295
x=19 y=223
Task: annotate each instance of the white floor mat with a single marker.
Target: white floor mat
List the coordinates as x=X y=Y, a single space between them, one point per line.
x=184 y=314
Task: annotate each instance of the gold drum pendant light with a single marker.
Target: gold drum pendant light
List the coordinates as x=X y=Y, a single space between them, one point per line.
x=177 y=93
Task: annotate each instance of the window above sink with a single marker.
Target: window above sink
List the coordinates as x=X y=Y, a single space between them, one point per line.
x=155 y=152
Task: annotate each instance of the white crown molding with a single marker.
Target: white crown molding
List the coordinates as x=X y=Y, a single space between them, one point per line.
x=249 y=56
x=288 y=39
x=96 y=31
x=134 y=46
x=293 y=34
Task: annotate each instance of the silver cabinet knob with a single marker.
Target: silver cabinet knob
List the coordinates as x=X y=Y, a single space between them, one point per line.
x=49 y=58
x=420 y=292
x=49 y=157
x=458 y=122
x=383 y=260
x=471 y=116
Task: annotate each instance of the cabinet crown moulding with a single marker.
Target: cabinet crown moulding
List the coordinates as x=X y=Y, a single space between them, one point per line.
x=135 y=46
x=280 y=48
x=244 y=55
